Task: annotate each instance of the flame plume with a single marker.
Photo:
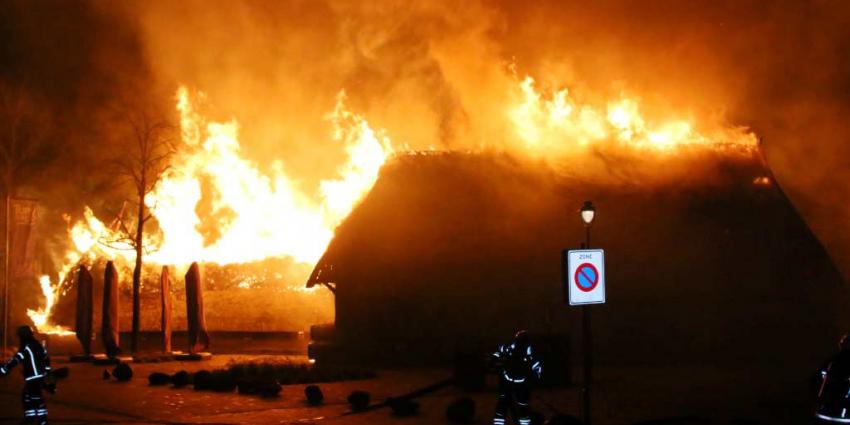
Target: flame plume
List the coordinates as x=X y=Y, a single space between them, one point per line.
x=40 y=317
x=257 y=215
x=559 y=124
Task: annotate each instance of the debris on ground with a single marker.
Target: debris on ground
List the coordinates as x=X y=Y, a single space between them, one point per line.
x=123 y=372
x=314 y=395
x=158 y=379
x=180 y=379
x=287 y=373
x=221 y=381
x=201 y=380
x=263 y=388
x=359 y=400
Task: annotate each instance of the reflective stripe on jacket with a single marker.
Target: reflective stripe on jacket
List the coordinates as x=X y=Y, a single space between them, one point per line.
x=517 y=366
x=33 y=359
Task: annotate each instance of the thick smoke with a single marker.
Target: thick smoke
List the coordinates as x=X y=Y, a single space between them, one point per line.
x=435 y=74
x=778 y=67
x=439 y=74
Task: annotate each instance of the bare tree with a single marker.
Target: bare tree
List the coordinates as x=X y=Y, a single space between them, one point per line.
x=144 y=159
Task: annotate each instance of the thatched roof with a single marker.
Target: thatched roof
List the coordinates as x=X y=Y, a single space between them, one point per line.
x=462 y=248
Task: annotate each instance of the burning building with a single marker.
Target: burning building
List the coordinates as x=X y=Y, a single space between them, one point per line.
x=450 y=251
x=453 y=252
x=283 y=131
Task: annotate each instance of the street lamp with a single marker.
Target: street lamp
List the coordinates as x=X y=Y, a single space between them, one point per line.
x=588 y=212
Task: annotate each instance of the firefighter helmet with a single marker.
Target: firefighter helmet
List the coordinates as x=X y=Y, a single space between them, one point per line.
x=25 y=333
x=521 y=340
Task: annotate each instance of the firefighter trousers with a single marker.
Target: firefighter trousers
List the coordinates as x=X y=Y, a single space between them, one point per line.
x=516 y=395
x=35 y=410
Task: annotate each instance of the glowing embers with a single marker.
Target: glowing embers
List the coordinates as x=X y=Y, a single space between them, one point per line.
x=762 y=181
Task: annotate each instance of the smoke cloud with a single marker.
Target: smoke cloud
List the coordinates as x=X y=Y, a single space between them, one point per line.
x=439 y=74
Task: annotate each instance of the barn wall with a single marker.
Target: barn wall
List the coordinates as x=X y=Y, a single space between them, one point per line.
x=714 y=273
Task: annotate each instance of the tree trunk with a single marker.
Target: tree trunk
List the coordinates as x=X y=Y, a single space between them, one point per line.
x=165 y=296
x=137 y=273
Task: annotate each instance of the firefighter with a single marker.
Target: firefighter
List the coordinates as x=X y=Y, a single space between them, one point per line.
x=518 y=367
x=35 y=365
x=834 y=393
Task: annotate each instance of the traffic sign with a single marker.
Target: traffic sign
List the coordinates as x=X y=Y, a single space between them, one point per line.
x=585 y=276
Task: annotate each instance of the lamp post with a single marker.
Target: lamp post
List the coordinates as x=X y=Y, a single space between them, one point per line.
x=588 y=212
x=6 y=273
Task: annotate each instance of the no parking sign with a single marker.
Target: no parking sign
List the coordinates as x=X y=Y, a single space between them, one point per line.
x=585 y=276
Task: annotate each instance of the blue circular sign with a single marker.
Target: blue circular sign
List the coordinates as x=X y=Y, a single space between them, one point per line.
x=586 y=277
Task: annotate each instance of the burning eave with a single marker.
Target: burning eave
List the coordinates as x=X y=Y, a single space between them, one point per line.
x=323 y=274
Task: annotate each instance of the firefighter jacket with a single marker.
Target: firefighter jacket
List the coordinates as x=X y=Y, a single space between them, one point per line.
x=518 y=363
x=34 y=361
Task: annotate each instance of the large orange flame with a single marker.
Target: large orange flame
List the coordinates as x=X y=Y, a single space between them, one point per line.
x=260 y=215
x=41 y=316
x=557 y=123
x=257 y=215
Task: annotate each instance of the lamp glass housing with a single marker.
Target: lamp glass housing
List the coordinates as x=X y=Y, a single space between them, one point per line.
x=588 y=213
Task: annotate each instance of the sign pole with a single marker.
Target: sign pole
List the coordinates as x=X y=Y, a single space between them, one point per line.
x=6 y=275
x=587 y=355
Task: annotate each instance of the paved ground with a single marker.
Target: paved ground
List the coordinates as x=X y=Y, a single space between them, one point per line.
x=623 y=396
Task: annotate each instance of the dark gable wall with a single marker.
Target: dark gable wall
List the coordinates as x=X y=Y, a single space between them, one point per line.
x=458 y=251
